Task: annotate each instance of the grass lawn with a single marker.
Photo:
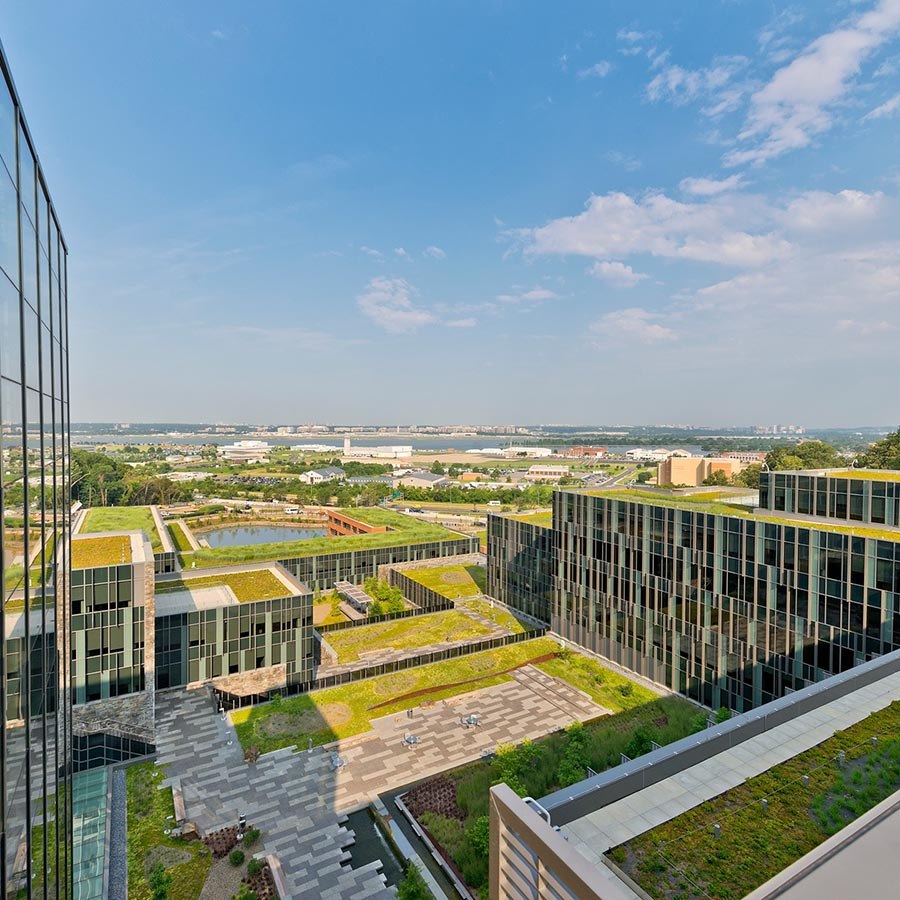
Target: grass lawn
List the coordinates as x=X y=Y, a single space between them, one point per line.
x=403 y=530
x=754 y=847
x=102 y=551
x=147 y=808
x=259 y=584
x=327 y=610
x=544 y=518
x=179 y=538
x=498 y=614
x=452 y=582
x=605 y=687
x=482 y=538
x=418 y=631
x=342 y=711
x=535 y=768
x=122 y=518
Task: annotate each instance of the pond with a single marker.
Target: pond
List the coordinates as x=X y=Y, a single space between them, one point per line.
x=239 y=535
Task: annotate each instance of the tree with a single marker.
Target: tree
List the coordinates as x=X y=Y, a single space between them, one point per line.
x=412 y=886
x=643 y=477
x=883 y=454
x=808 y=455
x=160 y=882
x=716 y=478
x=749 y=478
x=437 y=468
x=479 y=835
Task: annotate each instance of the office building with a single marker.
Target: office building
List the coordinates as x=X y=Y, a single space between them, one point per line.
x=730 y=606
x=35 y=754
x=692 y=471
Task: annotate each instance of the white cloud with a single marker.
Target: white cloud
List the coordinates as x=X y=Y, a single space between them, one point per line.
x=632 y=36
x=800 y=100
x=821 y=210
x=617 y=225
x=865 y=329
x=534 y=295
x=391 y=304
x=219 y=34
x=633 y=323
x=709 y=187
x=598 y=70
x=470 y=322
x=399 y=251
x=617 y=158
x=886 y=110
x=374 y=254
x=617 y=273
x=681 y=86
x=433 y=252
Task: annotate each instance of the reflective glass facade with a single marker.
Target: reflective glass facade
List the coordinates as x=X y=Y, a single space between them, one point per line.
x=35 y=742
x=731 y=610
x=520 y=565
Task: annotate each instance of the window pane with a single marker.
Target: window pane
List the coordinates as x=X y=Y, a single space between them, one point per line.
x=29 y=262
x=26 y=176
x=9 y=233
x=32 y=368
x=10 y=336
x=7 y=128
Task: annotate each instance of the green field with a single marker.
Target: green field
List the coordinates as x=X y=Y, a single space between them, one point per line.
x=122 y=518
x=148 y=809
x=753 y=847
x=416 y=631
x=260 y=584
x=453 y=582
x=343 y=711
x=402 y=530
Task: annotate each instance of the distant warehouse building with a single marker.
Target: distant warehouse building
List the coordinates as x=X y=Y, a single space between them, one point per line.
x=245 y=451
x=546 y=472
x=320 y=476
x=694 y=470
x=423 y=480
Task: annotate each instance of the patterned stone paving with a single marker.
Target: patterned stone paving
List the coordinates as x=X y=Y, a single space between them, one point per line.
x=299 y=799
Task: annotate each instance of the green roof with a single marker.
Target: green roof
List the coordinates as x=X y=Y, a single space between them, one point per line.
x=401 y=530
x=122 y=518
x=88 y=553
x=258 y=584
x=544 y=518
x=866 y=474
x=698 y=503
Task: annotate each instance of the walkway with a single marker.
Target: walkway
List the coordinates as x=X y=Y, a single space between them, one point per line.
x=298 y=798
x=599 y=831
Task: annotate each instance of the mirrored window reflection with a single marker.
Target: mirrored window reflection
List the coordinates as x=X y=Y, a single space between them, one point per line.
x=10 y=333
x=32 y=358
x=43 y=218
x=29 y=262
x=9 y=230
x=13 y=487
x=7 y=128
x=26 y=176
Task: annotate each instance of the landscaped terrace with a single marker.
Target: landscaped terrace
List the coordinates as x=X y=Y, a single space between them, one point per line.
x=88 y=553
x=122 y=518
x=257 y=584
x=684 y=858
x=402 y=530
x=454 y=582
x=710 y=503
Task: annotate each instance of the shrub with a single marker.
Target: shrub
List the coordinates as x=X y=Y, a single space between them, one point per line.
x=626 y=689
x=640 y=742
x=245 y=892
x=412 y=886
x=255 y=866
x=479 y=834
x=160 y=882
x=236 y=857
x=251 y=836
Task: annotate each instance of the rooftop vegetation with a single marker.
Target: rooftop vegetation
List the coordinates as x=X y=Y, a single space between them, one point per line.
x=398 y=634
x=453 y=582
x=258 y=584
x=544 y=518
x=122 y=518
x=682 y=858
x=150 y=811
x=403 y=530
x=697 y=503
x=179 y=538
x=101 y=551
x=535 y=768
x=498 y=614
x=867 y=474
x=339 y=712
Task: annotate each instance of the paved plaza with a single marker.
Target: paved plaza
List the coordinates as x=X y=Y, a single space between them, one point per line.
x=298 y=799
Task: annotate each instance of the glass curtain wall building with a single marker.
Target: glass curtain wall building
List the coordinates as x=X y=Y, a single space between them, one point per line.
x=35 y=741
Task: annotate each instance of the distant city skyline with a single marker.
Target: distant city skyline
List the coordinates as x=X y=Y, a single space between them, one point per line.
x=484 y=212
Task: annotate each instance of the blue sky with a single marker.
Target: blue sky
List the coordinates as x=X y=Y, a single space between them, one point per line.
x=473 y=211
